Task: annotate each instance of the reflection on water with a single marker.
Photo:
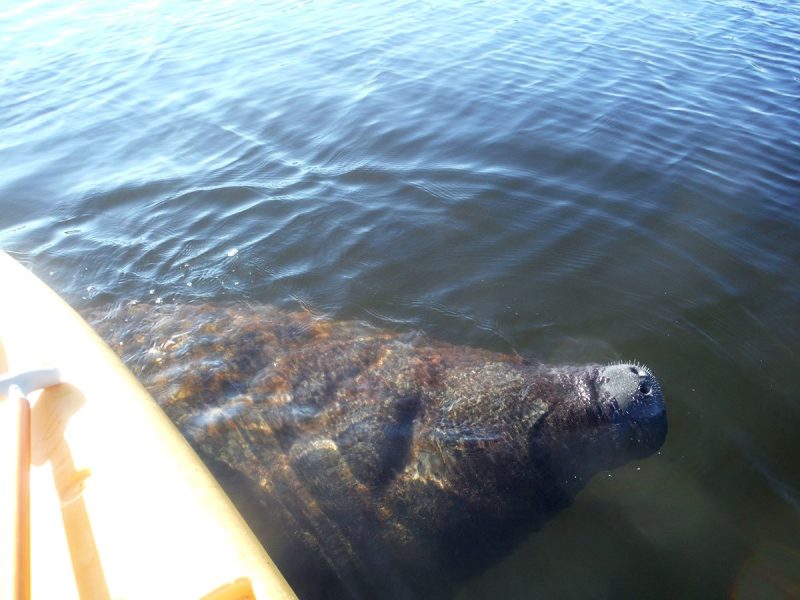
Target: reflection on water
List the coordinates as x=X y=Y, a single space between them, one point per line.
x=571 y=181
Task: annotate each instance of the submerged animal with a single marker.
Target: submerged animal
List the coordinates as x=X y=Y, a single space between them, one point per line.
x=373 y=463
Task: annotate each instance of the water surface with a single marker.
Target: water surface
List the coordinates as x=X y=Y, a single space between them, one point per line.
x=573 y=181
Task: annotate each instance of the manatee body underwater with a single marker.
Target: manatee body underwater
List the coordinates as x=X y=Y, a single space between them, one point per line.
x=373 y=463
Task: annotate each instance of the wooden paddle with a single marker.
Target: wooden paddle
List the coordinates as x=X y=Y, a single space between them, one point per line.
x=15 y=486
x=15 y=462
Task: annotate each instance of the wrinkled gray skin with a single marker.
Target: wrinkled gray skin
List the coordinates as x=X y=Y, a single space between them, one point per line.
x=380 y=464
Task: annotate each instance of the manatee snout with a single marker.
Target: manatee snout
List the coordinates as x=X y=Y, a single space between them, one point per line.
x=639 y=415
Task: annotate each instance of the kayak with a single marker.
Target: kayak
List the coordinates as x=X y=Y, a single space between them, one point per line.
x=118 y=505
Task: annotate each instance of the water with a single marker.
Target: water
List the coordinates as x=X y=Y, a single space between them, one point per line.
x=571 y=181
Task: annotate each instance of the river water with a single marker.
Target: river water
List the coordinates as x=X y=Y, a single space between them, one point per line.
x=572 y=181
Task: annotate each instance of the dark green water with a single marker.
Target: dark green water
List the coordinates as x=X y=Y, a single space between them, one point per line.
x=574 y=181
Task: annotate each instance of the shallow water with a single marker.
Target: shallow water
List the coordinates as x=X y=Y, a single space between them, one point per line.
x=577 y=181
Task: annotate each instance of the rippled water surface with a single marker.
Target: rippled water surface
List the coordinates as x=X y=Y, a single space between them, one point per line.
x=568 y=180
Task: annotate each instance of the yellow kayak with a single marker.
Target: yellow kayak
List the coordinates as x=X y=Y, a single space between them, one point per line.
x=120 y=505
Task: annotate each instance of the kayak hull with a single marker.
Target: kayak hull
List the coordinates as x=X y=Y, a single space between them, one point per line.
x=120 y=505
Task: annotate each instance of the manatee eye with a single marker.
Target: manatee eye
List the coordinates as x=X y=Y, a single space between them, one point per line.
x=639 y=371
x=645 y=388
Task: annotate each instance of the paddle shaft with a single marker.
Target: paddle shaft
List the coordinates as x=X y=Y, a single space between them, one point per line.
x=15 y=459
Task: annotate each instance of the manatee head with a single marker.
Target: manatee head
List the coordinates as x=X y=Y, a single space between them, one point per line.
x=597 y=418
x=500 y=446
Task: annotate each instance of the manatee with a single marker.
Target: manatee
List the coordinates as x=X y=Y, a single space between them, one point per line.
x=375 y=463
